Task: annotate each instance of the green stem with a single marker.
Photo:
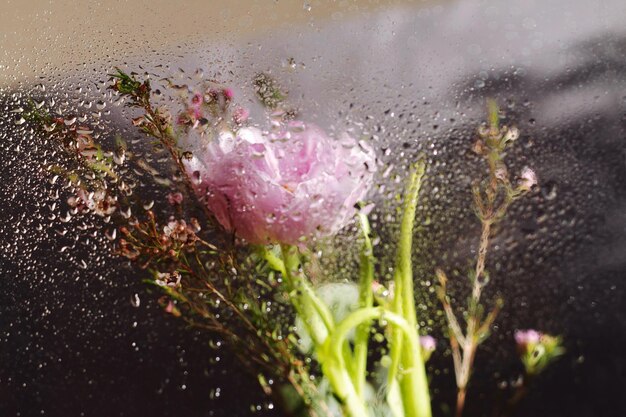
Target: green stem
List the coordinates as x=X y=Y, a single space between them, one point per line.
x=404 y=264
x=412 y=379
x=366 y=300
x=313 y=312
x=333 y=362
x=365 y=315
x=320 y=326
x=273 y=260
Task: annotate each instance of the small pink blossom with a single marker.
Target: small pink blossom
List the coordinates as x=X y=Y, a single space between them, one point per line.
x=428 y=345
x=525 y=338
x=99 y=201
x=195 y=109
x=179 y=231
x=196 y=100
x=175 y=198
x=537 y=350
x=228 y=93
x=528 y=179
x=168 y=279
x=283 y=186
x=240 y=115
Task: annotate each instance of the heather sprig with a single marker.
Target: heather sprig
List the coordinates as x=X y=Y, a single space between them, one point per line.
x=492 y=198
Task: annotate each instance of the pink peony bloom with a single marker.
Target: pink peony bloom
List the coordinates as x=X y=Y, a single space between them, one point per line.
x=282 y=186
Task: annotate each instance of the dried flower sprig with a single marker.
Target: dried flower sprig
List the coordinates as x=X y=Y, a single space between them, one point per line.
x=491 y=202
x=96 y=181
x=154 y=122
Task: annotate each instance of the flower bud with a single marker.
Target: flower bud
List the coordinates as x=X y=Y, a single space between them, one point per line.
x=240 y=115
x=428 y=345
x=511 y=134
x=479 y=147
x=537 y=350
x=501 y=172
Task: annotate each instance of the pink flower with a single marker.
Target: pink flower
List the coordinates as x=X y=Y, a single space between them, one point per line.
x=537 y=350
x=99 y=201
x=228 y=93
x=528 y=179
x=168 y=279
x=240 y=115
x=175 y=198
x=526 y=338
x=283 y=186
x=179 y=231
x=428 y=345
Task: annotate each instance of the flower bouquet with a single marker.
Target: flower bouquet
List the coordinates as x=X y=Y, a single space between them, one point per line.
x=238 y=246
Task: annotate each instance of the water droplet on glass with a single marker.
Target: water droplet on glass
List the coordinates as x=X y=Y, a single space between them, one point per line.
x=135 y=301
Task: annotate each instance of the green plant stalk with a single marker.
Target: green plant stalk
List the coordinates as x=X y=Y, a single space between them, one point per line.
x=407 y=363
x=313 y=312
x=366 y=300
x=336 y=366
x=333 y=361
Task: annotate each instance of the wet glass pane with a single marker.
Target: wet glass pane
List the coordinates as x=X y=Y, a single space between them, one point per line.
x=87 y=332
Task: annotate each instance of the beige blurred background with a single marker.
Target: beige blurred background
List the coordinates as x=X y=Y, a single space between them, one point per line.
x=38 y=37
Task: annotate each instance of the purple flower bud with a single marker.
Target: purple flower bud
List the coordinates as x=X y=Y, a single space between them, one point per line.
x=428 y=345
x=282 y=187
x=228 y=93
